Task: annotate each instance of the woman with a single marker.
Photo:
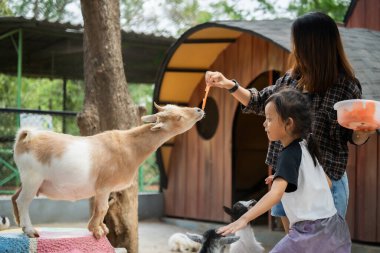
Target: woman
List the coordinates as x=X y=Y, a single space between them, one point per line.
x=321 y=70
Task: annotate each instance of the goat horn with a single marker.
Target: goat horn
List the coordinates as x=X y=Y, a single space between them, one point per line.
x=159 y=108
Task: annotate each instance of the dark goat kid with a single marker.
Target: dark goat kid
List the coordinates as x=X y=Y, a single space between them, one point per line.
x=212 y=242
x=247 y=242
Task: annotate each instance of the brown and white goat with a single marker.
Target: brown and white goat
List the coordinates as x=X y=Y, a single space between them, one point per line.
x=66 y=167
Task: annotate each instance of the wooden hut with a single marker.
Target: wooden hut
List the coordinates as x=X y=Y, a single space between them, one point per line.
x=363 y=168
x=221 y=160
x=363 y=14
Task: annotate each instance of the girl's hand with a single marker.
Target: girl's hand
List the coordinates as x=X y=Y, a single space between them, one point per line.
x=233 y=227
x=217 y=79
x=269 y=179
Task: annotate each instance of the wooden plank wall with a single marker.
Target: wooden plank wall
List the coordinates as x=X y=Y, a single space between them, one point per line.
x=363 y=214
x=200 y=173
x=366 y=15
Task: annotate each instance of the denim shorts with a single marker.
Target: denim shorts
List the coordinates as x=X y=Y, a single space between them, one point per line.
x=278 y=210
x=340 y=193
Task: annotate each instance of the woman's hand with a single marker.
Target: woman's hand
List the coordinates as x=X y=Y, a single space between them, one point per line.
x=361 y=136
x=217 y=79
x=233 y=227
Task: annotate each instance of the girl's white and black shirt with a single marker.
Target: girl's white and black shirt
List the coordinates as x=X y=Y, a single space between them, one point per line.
x=307 y=196
x=331 y=137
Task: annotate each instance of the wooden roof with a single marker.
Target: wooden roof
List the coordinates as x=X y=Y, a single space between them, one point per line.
x=56 y=50
x=349 y=11
x=195 y=51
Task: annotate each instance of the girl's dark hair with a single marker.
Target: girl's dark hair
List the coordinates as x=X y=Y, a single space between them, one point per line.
x=291 y=103
x=318 y=58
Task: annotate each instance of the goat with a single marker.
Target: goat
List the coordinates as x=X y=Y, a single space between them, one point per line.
x=247 y=242
x=4 y=223
x=212 y=242
x=179 y=242
x=66 y=167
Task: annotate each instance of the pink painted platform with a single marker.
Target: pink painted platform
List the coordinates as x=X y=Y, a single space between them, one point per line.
x=54 y=240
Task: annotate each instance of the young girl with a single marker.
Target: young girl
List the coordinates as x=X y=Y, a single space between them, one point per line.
x=320 y=68
x=299 y=182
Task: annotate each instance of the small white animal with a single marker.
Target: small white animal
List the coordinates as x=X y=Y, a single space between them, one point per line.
x=4 y=223
x=179 y=242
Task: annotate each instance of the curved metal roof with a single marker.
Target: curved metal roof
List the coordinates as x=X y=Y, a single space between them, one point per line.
x=196 y=50
x=53 y=49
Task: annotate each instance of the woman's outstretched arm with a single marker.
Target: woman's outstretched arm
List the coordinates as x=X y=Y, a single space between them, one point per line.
x=217 y=79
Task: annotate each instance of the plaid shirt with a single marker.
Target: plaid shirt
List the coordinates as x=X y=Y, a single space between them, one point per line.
x=330 y=136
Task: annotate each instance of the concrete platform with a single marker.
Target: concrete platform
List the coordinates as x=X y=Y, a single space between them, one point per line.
x=43 y=210
x=54 y=240
x=154 y=234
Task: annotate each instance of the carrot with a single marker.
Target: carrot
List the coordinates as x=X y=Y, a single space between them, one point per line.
x=205 y=97
x=360 y=117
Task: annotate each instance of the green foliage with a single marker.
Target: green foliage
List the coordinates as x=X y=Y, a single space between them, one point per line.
x=149 y=179
x=41 y=93
x=184 y=14
x=4 y=8
x=237 y=10
x=223 y=7
x=334 y=8
x=128 y=10
x=142 y=95
x=52 y=10
x=8 y=91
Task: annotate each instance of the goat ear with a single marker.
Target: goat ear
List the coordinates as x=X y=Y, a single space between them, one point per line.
x=159 y=108
x=149 y=118
x=157 y=126
x=229 y=239
x=195 y=237
x=227 y=210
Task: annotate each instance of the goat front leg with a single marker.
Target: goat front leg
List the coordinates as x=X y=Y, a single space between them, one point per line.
x=28 y=191
x=100 y=208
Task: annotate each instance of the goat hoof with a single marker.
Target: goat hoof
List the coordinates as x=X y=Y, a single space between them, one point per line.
x=98 y=233
x=30 y=232
x=105 y=228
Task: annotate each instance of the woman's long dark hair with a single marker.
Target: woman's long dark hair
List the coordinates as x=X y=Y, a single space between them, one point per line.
x=318 y=58
x=291 y=103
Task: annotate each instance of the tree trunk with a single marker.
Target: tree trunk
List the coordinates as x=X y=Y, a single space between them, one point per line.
x=108 y=105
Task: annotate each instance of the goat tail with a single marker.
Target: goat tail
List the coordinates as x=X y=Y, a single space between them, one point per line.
x=24 y=135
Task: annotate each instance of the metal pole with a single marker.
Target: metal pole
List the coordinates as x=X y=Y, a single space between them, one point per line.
x=19 y=74
x=141 y=178
x=8 y=34
x=19 y=83
x=64 y=88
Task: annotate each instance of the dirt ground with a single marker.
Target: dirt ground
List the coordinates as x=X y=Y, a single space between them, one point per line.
x=154 y=234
